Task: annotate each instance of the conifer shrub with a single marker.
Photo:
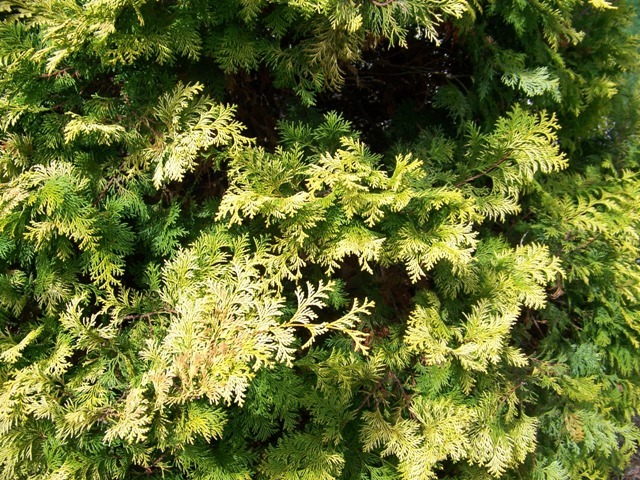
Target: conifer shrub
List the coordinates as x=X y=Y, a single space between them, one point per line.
x=318 y=239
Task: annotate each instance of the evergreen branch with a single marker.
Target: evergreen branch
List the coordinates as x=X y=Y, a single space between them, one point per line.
x=559 y=291
x=57 y=108
x=485 y=172
x=511 y=391
x=585 y=244
x=389 y=376
x=104 y=191
x=134 y=316
x=59 y=73
x=148 y=316
x=141 y=118
x=150 y=469
x=366 y=399
x=405 y=395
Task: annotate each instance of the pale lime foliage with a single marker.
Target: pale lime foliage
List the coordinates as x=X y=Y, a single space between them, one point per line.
x=330 y=204
x=226 y=323
x=192 y=124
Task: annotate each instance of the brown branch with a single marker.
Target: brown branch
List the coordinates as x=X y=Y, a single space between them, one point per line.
x=146 y=123
x=559 y=291
x=530 y=319
x=133 y=316
x=389 y=376
x=405 y=395
x=58 y=108
x=382 y=4
x=104 y=191
x=585 y=244
x=151 y=468
x=376 y=387
x=142 y=119
x=537 y=325
x=59 y=73
x=504 y=158
x=512 y=391
x=148 y=316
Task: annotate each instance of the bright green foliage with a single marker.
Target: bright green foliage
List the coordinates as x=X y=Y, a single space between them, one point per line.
x=315 y=240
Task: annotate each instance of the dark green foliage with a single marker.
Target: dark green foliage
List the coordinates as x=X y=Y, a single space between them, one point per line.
x=374 y=240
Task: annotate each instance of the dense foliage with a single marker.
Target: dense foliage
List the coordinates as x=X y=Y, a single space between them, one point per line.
x=318 y=239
